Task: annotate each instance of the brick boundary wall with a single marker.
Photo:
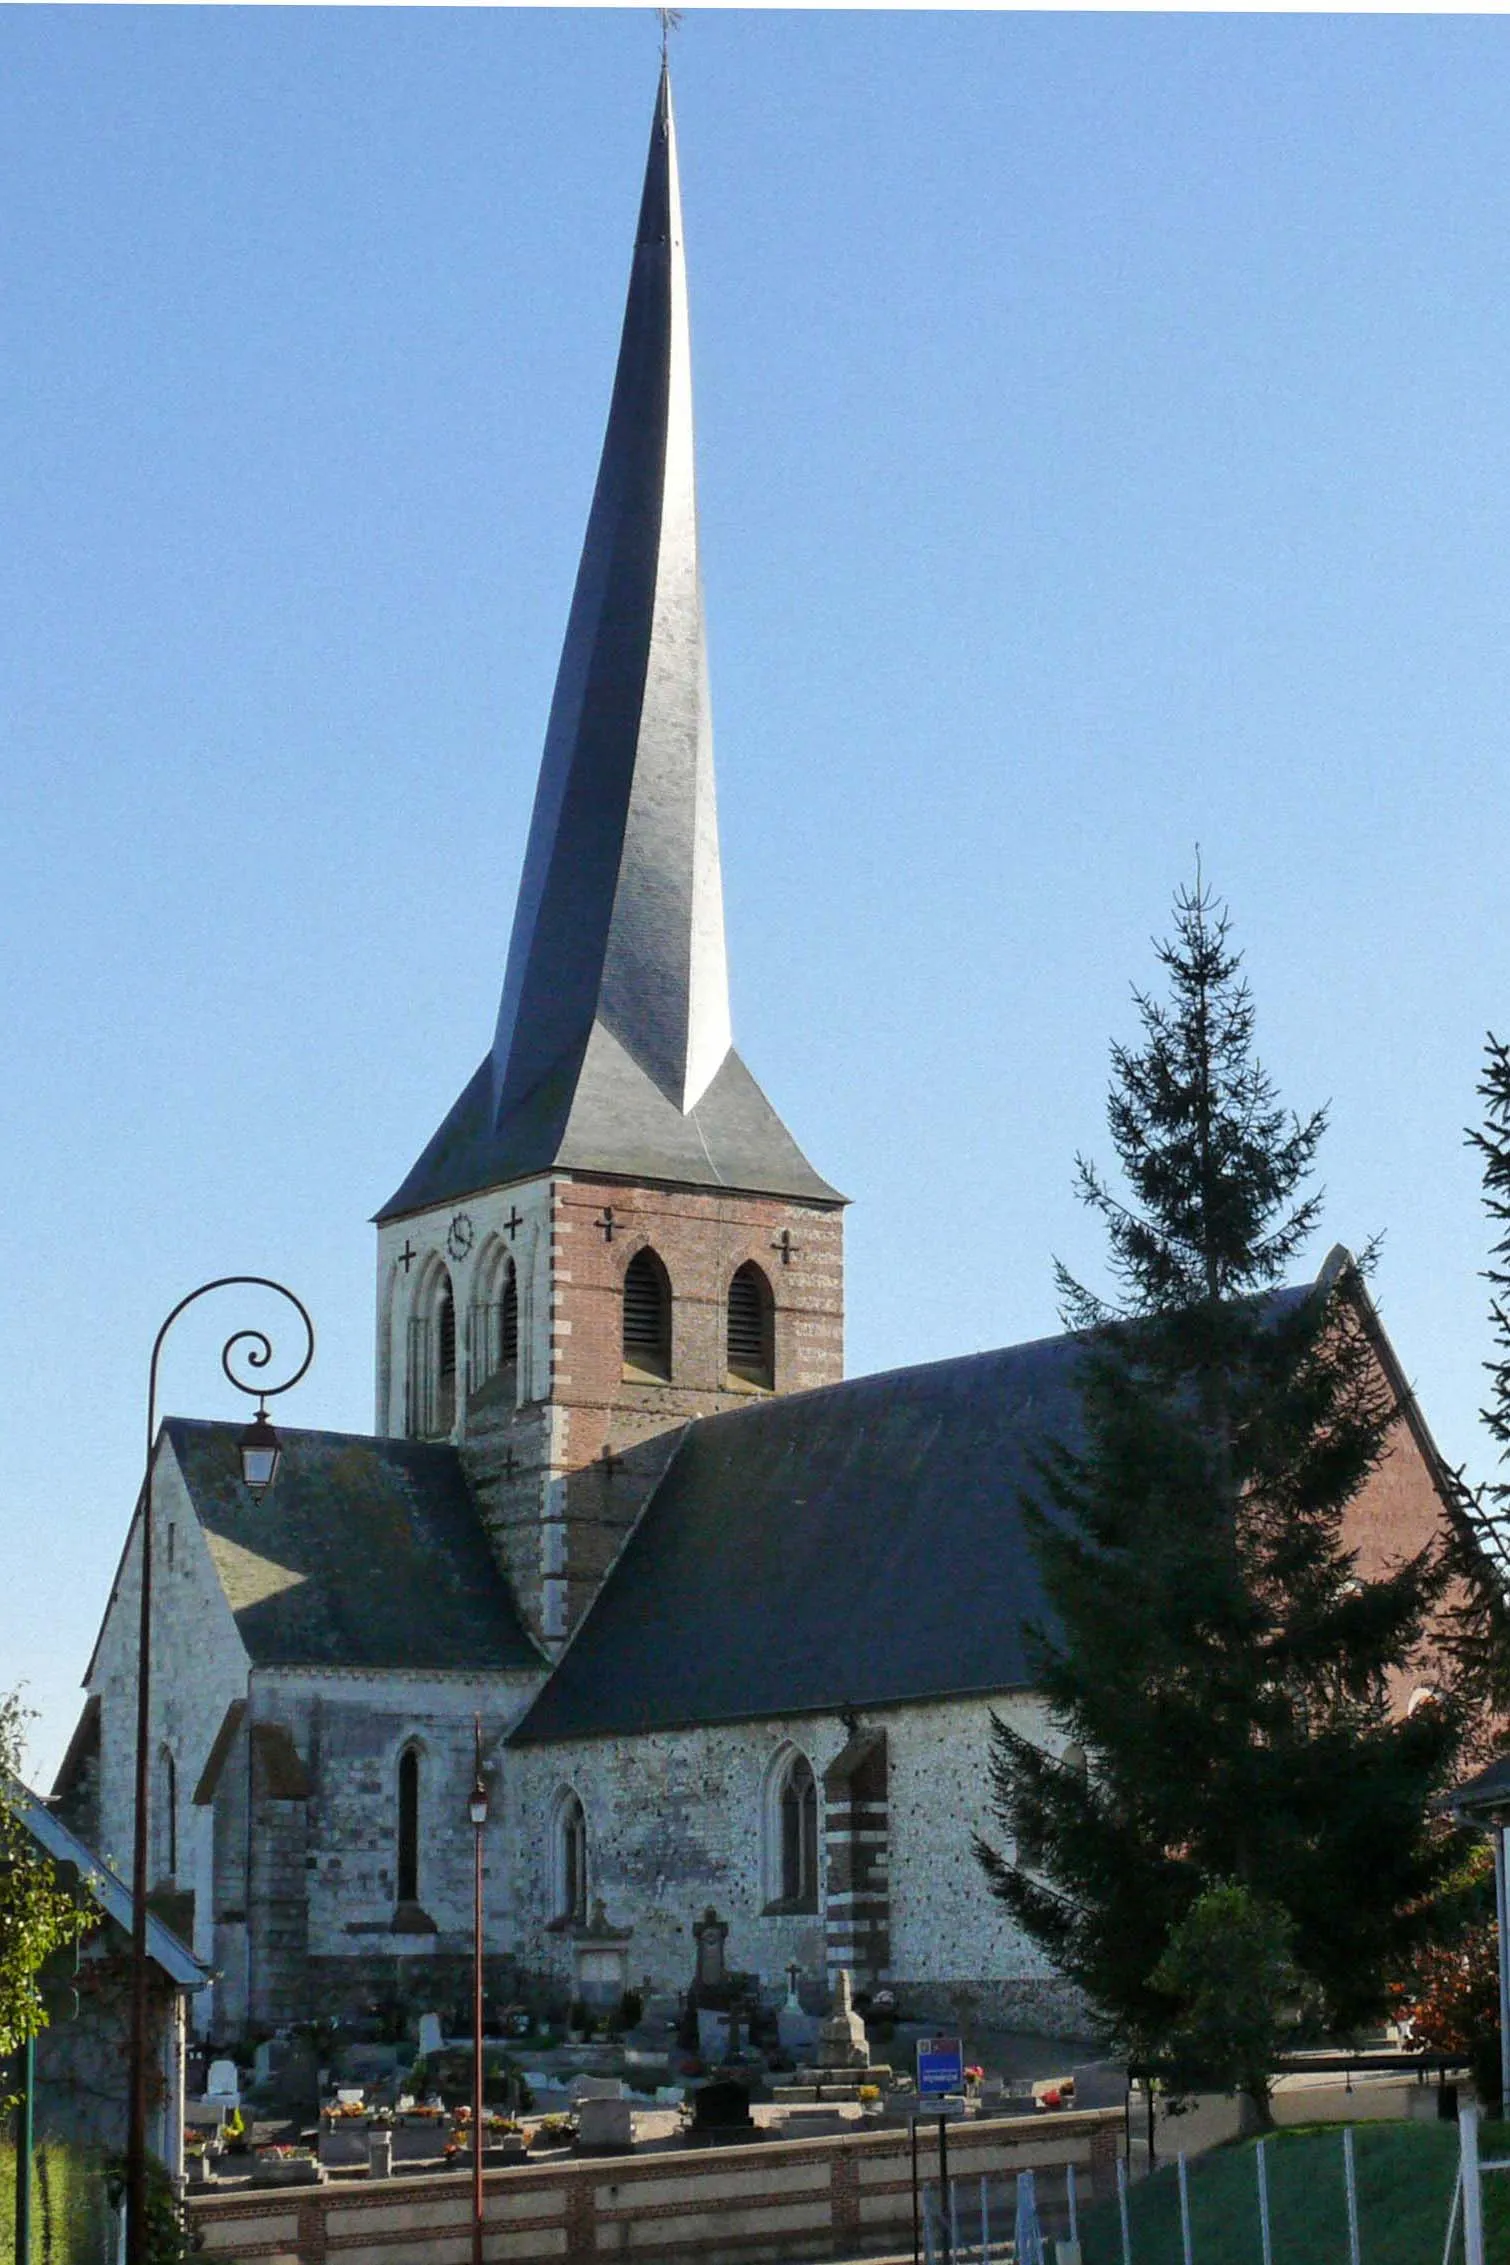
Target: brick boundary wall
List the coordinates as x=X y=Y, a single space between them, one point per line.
x=754 y=2205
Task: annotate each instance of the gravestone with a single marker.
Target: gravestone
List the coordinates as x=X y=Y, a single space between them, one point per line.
x=600 y=1954
x=721 y=2111
x=842 y=2042
x=605 y=2126
x=797 y=2031
x=712 y=2034
x=710 y=1934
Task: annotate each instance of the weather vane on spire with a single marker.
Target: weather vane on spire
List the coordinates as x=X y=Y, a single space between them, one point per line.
x=670 y=20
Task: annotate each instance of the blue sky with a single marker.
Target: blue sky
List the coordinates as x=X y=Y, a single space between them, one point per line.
x=1102 y=451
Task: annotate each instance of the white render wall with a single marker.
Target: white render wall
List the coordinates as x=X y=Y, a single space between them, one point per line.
x=199 y=1668
x=350 y=1729
x=428 y=1235
x=678 y=1820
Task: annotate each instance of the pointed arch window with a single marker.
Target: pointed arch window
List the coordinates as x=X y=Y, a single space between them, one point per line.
x=791 y=1853
x=406 y=1867
x=647 y=1317
x=569 y=1860
x=431 y=1385
x=495 y=1319
x=166 y=1820
x=750 y=1328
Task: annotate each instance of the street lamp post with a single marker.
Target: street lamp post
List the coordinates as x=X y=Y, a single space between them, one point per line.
x=477 y=1810
x=260 y=1454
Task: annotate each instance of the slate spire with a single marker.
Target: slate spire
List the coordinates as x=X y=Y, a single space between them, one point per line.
x=620 y=912
x=612 y=1050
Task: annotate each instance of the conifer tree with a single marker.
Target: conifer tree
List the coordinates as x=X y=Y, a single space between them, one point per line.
x=1213 y=1649
x=1482 y=1614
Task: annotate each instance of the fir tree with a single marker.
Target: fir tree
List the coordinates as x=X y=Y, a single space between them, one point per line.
x=1213 y=1650
x=1482 y=1614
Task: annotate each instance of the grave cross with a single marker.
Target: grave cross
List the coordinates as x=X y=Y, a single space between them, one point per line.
x=607 y=1222
x=513 y=1223
x=407 y=1255
x=788 y=1249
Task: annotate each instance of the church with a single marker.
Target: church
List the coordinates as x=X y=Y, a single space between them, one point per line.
x=734 y=1627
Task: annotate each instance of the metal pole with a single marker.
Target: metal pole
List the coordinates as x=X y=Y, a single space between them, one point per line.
x=916 y=2230
x=477 y=1831
x=944 y=2193
x=1473 y=2197
x=985 y=2220
x=1261 y=2160
x=255 y=1348
x=1502 y=1915
x=1350 y=2177
x=25 y=2145
x=1069 y=2189
x=1184 y=2211
x=1122 y=2211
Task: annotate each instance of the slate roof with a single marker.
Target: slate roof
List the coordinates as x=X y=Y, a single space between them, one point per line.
x=368 y=1553
x=858 y=1545
x=166 y=1949
x=612 y=1050
x=861 y=1545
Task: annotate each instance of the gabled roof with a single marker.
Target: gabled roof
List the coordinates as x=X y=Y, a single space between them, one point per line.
x=166 y=1949
x=861 y=1545
x=854 y=1546
x=367 y=1553
x=612 y=1051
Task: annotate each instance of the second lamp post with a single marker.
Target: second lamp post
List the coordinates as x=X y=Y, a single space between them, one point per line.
x=477 y=1810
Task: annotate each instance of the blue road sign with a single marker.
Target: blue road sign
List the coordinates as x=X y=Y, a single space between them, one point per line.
x=941 y=2065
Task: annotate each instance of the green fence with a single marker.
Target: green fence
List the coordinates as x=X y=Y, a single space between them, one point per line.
x=71 y=2220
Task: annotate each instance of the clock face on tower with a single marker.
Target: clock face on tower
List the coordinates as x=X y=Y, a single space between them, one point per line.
x=460 y=1235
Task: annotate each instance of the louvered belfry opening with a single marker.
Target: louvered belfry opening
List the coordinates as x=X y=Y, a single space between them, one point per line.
x=647 y=1317
x=445 y=1364
x=508 y=1321
x=751 y=1347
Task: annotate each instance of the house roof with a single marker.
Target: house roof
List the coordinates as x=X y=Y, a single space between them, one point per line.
x=612 y=1051
x=1484 y=1799
x=367 y=1553
x=166 y=1949
x=854 y=1546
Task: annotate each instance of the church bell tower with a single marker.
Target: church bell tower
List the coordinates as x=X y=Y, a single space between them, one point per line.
x=612 y=1233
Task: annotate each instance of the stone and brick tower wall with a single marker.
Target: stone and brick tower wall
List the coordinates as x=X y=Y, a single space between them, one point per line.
x=612 y=1114
x=578 y=1467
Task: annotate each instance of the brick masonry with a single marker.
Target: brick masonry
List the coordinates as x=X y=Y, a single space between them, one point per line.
x=564 y=1452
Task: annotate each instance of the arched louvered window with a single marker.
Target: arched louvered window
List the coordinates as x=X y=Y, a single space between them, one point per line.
x=445 y=1360
x=407 y=1867
x=647 y=1317
x=431 y=1393
x=508 y=1320
x=750 y=1329
x=495 y=1318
